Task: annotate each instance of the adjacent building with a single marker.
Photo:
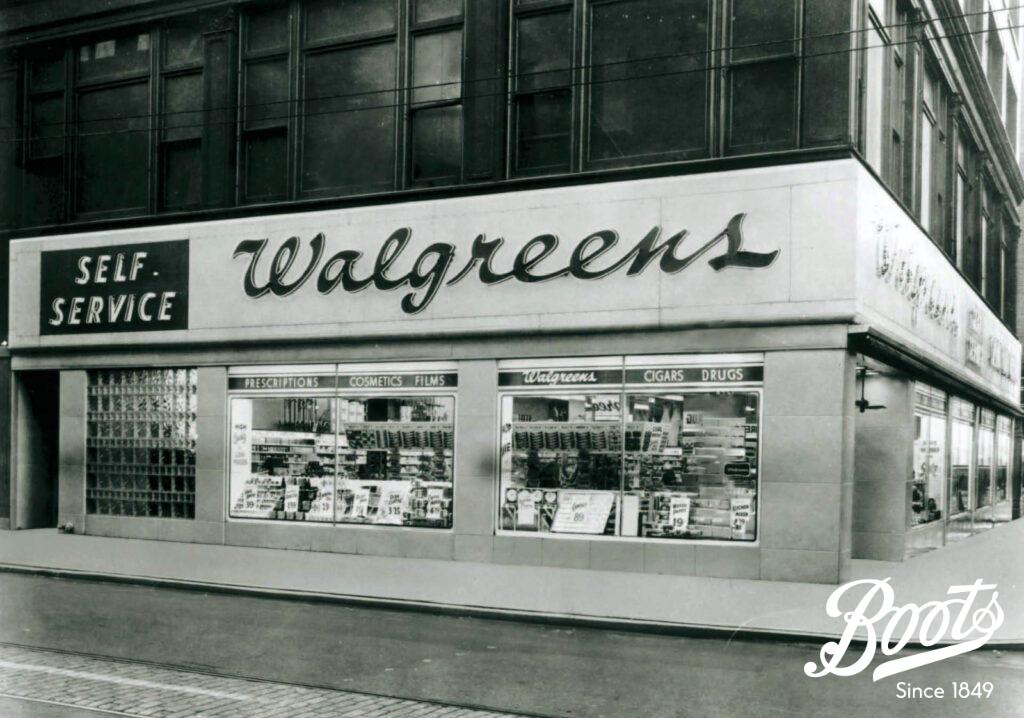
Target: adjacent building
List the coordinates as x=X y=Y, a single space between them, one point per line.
x=690 y=287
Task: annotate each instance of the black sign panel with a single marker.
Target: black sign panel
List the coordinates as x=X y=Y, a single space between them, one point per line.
x=119 y=288
x=719 y=374
x=282 y=382
x=429 y=380
x=560 y=377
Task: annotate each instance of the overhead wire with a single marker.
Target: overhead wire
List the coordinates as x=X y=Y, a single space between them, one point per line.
x=794 y=56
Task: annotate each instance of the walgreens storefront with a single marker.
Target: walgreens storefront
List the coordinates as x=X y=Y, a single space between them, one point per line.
x=656 y=377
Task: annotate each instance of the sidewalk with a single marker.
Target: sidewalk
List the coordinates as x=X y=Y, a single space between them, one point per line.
x=679 y=603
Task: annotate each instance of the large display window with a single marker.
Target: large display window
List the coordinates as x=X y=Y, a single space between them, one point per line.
x=1000 y=486
x=961 y=457
x=662 y=447
x=928 y=475
x=983 y=470
x=367 y=444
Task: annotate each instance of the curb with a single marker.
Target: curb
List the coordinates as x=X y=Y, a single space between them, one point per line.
x=444 y=609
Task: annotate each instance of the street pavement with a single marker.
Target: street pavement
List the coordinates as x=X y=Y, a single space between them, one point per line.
x=458 y=662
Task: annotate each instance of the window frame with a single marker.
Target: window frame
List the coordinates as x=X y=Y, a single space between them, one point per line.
x=586 y=97
x=623 y=389
x=729 y=66
x=333 y=395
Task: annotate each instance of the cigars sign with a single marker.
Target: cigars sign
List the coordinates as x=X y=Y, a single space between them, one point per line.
x=441 y=265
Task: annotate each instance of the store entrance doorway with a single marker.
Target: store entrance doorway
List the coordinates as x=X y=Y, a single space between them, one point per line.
x=37 y=431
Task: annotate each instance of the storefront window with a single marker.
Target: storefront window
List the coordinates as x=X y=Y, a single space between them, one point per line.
x=929 y=469
x=983 y=471
x=290 y=445
x=337 y=444
x=961 y=459
x=691 y=465
x=395 y=460
x=141 y=443
x=564 y=463
x=679 y=462
x=1004 y=440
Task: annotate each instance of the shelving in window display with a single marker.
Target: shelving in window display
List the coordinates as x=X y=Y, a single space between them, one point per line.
x=292 y=476
x=703 y=488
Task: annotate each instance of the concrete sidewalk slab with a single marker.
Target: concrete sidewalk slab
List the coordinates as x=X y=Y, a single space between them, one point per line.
x=598 y=597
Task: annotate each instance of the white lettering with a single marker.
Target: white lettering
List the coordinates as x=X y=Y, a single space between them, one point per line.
x=92 y=315
x=137 y=258
x=119 y=275
x=143 y=314
x=58 y=312
x=101 y=268
x=164 y=315
x=971 y=629
x=83 y=267
x=76 y=310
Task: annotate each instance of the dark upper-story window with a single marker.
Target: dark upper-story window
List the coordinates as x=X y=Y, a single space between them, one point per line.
x=112 y=122
x=761 y=81
x=179 y=154
x=934 y=153
x=113 y=125
x=336 y=94
x=624 y=82
x=994 y=62
x=647 y=75
x=46 y=147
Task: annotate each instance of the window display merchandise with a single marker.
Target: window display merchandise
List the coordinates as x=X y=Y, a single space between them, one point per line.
x=983 y=470
x=141 y=443
x=961 y=455
x=655 y=447
x=1004 y=442
x=929 y=468
x=373 y=447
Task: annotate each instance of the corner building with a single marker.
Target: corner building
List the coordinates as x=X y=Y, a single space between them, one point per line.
x=647 y=286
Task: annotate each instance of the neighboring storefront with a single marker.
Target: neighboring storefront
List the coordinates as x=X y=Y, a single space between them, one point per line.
x=656 y=376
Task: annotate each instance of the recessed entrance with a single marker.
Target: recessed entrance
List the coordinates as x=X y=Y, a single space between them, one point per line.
x=37 y=429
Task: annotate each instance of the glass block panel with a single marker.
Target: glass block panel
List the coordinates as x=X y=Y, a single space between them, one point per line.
x=129 y=471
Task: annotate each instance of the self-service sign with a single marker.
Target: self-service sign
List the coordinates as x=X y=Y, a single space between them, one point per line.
x=121 y=288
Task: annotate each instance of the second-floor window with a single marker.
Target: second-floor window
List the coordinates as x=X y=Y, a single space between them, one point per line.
x=335 y=94
x=115 y=126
